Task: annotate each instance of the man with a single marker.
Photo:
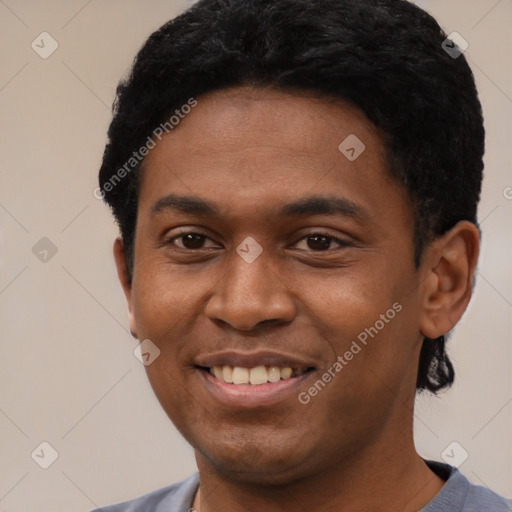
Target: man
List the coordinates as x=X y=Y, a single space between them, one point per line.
x=296 y=184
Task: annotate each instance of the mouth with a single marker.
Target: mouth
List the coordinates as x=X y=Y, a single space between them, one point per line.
x=255 y=376
x=247 y=380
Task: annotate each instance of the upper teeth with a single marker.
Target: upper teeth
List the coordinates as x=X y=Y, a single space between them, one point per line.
x=257 y=375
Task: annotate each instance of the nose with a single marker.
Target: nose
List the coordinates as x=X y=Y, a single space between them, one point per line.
x=250 y=296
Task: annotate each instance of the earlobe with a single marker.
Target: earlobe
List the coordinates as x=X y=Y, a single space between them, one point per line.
x=447 y=288
x=124 y=279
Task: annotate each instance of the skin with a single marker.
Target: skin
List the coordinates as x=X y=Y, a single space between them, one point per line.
x=249 y=151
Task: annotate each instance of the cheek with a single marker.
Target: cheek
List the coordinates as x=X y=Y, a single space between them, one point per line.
x=348 y=300
x=165 y=299
x=173 y=395
x=370 y=321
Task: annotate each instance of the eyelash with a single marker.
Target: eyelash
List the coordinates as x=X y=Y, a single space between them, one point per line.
x=341 y=243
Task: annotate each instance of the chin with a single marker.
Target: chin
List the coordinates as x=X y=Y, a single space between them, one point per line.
x=256 y=463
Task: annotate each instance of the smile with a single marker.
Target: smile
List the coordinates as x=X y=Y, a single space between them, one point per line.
x=254 y=376
x=244 y=380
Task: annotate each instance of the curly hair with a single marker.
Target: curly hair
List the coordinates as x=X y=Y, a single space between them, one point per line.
x=384 y=56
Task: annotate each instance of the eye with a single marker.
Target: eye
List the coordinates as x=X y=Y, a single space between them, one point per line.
x=189 y=241
x=320 y=242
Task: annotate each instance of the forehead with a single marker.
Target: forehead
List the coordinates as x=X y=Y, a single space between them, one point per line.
x=297 y=121
x=256 y=146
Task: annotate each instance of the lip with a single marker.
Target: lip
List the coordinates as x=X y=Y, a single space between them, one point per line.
x=252 y=360
x=247 y=396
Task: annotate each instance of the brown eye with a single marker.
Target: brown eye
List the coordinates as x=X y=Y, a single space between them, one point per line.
x=189 y=241
x=319 y=242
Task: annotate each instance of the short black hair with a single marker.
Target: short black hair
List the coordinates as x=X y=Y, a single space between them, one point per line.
x=386 y=57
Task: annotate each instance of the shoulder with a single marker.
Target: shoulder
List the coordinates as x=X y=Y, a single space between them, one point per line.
x=177 y=497
x=481 y=499
x=460 y=495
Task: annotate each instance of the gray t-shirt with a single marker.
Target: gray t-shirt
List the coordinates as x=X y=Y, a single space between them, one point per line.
x=457 y=495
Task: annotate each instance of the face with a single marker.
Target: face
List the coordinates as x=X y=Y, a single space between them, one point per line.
x=261 y=251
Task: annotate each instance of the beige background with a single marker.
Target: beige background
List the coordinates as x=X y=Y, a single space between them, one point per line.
x=67 y=372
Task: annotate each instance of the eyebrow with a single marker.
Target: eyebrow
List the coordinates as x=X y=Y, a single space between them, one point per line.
x=304 y=207
x=185 y=204
x=319 y=205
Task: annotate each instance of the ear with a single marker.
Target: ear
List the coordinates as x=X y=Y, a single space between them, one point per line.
x=124 y=279
x=446 y=290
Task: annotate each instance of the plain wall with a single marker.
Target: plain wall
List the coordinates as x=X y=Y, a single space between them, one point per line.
x=68 y=375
